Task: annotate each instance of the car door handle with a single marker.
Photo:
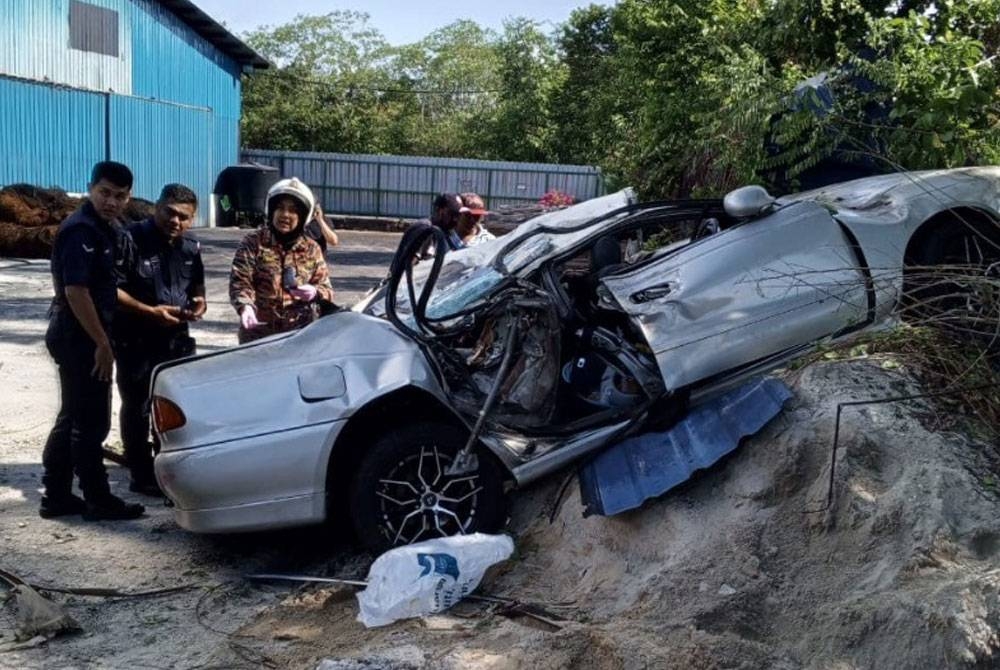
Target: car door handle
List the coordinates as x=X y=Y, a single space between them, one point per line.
x=651 y=293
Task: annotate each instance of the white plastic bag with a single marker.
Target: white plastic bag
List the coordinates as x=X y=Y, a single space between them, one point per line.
x=428 y=577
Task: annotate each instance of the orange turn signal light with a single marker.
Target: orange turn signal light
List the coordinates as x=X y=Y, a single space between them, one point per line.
x=166 y=415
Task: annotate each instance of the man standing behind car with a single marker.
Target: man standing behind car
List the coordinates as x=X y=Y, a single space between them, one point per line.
x=161 y=289
x=445 y=212
x=84 y=256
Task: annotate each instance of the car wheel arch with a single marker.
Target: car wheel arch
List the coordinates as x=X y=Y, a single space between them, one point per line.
x=399 y=407
x=920 y=299
x=916 y=253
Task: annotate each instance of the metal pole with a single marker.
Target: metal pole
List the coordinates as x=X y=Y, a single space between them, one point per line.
x=378 y=189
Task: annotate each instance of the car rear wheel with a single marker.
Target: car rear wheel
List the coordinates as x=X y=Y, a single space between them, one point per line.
x=402 y=492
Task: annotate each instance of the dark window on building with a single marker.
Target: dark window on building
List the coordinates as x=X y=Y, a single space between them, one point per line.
x=93 y=28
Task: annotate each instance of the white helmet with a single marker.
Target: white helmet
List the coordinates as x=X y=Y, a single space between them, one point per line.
x=296 y=189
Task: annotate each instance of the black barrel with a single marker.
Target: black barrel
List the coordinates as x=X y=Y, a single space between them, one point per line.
x=243 y=189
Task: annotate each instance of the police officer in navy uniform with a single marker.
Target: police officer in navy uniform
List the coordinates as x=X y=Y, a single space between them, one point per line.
x=84 y=257
x=161 y=290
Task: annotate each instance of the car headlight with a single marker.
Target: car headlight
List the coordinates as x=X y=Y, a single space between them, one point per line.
x=166 y=415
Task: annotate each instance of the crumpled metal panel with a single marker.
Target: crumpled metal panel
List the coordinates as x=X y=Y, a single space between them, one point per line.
x=646 y=466
x=744 y=294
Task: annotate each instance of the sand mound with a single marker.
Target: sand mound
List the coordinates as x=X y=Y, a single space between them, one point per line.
x=742 y=568
x=738 y=568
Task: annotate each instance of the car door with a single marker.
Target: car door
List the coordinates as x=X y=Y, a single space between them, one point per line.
x=745 y=294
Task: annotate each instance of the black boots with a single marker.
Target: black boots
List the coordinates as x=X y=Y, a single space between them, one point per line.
x=64 y=505
x=111 y=508
x=107 y=507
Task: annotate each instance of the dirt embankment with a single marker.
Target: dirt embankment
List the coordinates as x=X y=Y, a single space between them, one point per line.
x=742 y=568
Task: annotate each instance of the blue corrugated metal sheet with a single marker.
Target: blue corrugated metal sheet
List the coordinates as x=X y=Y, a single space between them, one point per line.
x=404 y=185
x=171 y=62
x=49 y=136
x=167 y=151
x=643 y=467
x=171 y=100
x=34 y=44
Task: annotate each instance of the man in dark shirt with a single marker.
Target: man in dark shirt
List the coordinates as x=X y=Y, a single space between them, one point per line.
x=162 y=288
x=84 y=257
x=445 y=212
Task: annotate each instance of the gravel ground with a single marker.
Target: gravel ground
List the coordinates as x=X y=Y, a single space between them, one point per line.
x=187 y=629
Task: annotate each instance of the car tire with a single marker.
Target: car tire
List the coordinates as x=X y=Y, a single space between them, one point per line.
x=402 y=494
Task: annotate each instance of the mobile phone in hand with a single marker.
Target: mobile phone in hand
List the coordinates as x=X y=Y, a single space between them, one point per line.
x=288 y=280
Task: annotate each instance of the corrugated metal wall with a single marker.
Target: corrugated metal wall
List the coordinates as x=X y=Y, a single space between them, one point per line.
x=172 y=63
x=34 y=44
x=49 y=136
x=404 y=185
x=171 y=101
x=175 y=140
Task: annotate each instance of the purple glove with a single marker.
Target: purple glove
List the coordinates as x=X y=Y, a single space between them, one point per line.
x=303 y=292
x=248 y=317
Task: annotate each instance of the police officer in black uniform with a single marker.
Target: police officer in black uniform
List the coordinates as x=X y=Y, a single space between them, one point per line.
x=84 y=256
x=162 y=289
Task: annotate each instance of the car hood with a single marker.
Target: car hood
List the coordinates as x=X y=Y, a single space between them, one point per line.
x=906 y=195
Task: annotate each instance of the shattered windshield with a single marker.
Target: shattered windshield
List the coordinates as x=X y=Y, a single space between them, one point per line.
x=470 y=275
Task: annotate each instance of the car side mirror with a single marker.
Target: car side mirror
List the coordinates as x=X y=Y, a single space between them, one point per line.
x=747 y=201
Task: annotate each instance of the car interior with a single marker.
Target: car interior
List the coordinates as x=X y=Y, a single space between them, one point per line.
x=546 y=354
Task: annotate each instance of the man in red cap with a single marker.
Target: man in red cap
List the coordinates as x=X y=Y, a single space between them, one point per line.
x=470 y=227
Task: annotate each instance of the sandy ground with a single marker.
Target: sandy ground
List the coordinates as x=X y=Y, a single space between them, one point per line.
x=152 y=552
x=743 y=567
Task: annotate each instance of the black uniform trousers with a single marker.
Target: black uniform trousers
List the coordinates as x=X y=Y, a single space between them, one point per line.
x=74 y=444
x=136 y=360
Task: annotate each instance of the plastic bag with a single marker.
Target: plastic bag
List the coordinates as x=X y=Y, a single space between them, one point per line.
x=428 y=577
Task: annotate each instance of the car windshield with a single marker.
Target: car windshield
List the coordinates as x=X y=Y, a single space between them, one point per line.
x=470 y=275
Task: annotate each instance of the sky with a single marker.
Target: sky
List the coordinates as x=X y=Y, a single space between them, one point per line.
x=401 y=21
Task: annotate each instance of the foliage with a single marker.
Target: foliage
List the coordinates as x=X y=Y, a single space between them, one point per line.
x=675 y=97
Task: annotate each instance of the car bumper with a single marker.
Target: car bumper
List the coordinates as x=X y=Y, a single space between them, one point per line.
x=262 y=482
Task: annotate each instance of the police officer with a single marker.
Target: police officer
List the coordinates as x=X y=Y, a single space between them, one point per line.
x=162 y=289
x=84 y=257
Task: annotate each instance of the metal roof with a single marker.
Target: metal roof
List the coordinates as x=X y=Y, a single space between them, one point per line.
x=212 y=31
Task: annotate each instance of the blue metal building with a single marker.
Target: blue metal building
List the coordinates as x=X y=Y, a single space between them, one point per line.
x=154 y=84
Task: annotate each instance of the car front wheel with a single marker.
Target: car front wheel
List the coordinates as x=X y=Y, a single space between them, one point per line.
x=402 y=492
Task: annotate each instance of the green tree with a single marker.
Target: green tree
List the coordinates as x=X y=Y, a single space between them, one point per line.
x=588 y=109
x=518 y=127
x=454 y=73
x=323 y=93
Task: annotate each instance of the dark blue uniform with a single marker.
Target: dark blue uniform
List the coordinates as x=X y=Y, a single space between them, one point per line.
x=155 y=272
x=86 y=252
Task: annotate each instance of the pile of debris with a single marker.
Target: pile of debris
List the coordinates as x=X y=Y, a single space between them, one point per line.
x=30 y=216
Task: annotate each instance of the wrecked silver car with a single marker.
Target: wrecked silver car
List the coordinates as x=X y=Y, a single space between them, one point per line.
x=414 y=414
